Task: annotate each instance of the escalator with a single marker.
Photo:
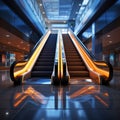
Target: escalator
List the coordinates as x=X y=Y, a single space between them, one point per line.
x=44 y=64
x=76 y=66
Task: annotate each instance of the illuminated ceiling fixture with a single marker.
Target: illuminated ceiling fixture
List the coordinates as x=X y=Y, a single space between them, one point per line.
x=85 y=2
x=9 y=42
x=7 y=35
x=40 y=4
x=110 y=41
x=43 y=12
x=108 y=36
x=76 y=12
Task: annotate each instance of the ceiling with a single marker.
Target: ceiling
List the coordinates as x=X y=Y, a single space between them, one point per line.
x=59 y=13
x=12 y=43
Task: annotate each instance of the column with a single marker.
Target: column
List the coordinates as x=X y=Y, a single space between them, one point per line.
x=96 y=44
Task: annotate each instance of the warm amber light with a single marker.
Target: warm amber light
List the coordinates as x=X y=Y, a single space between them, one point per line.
x=32 y=60
x=29 y=92
x=84 y=91
x=21 y=64
x=101 y=101
x=60 y=61
x=94 y=71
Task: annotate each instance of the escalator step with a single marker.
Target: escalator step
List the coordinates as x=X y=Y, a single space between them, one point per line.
x=46 y=57
x=41 y=73
x=76 y=68
x=75 y=63
x=73 y=56
x=73 y=60
x=45 y=60
x=44 y=63
x=79 y=73
x=42 y=68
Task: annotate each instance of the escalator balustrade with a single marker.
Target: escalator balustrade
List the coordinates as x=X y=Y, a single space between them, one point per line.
x=76 y=66
x=44 y=64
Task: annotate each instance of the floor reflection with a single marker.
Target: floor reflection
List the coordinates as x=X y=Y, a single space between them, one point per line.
x=30 y=92
x=63 y=97
x=5 y=77
x=46 y=102
x=91 y=93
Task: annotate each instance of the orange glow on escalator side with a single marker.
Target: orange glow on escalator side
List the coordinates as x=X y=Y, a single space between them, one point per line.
x=101 y=101
x=84 y=91
x=33 y=58
x=36 y=96
x=60 y=61
x=21 y=64
x=20 y=101
x=94 y=71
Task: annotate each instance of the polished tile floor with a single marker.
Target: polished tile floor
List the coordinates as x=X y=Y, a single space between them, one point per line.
x=41 y=101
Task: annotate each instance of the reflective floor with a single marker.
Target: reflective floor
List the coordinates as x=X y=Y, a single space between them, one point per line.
x=79 y=101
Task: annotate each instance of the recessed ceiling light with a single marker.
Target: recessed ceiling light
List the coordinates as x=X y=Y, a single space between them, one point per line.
x=43 y=12
x=7 y=36
x=76 y=12
x=9 y=42
x=110 y=41
x=108 y=35
x=79 y=4
x=40 y=4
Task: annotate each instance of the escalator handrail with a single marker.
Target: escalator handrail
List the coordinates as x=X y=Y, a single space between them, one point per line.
x=12 y=67
x=34 y=48
x=55 y=72
x=92 y=56
x=64 y=60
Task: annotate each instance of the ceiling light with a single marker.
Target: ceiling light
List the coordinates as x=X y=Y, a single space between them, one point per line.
x=43 y=12
x=108 y=35
x=76 y=12
x=110 y=41
x=85 y=2
x=9 y=42
x=40 y=4
x=79 y=4
x=7 y=36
